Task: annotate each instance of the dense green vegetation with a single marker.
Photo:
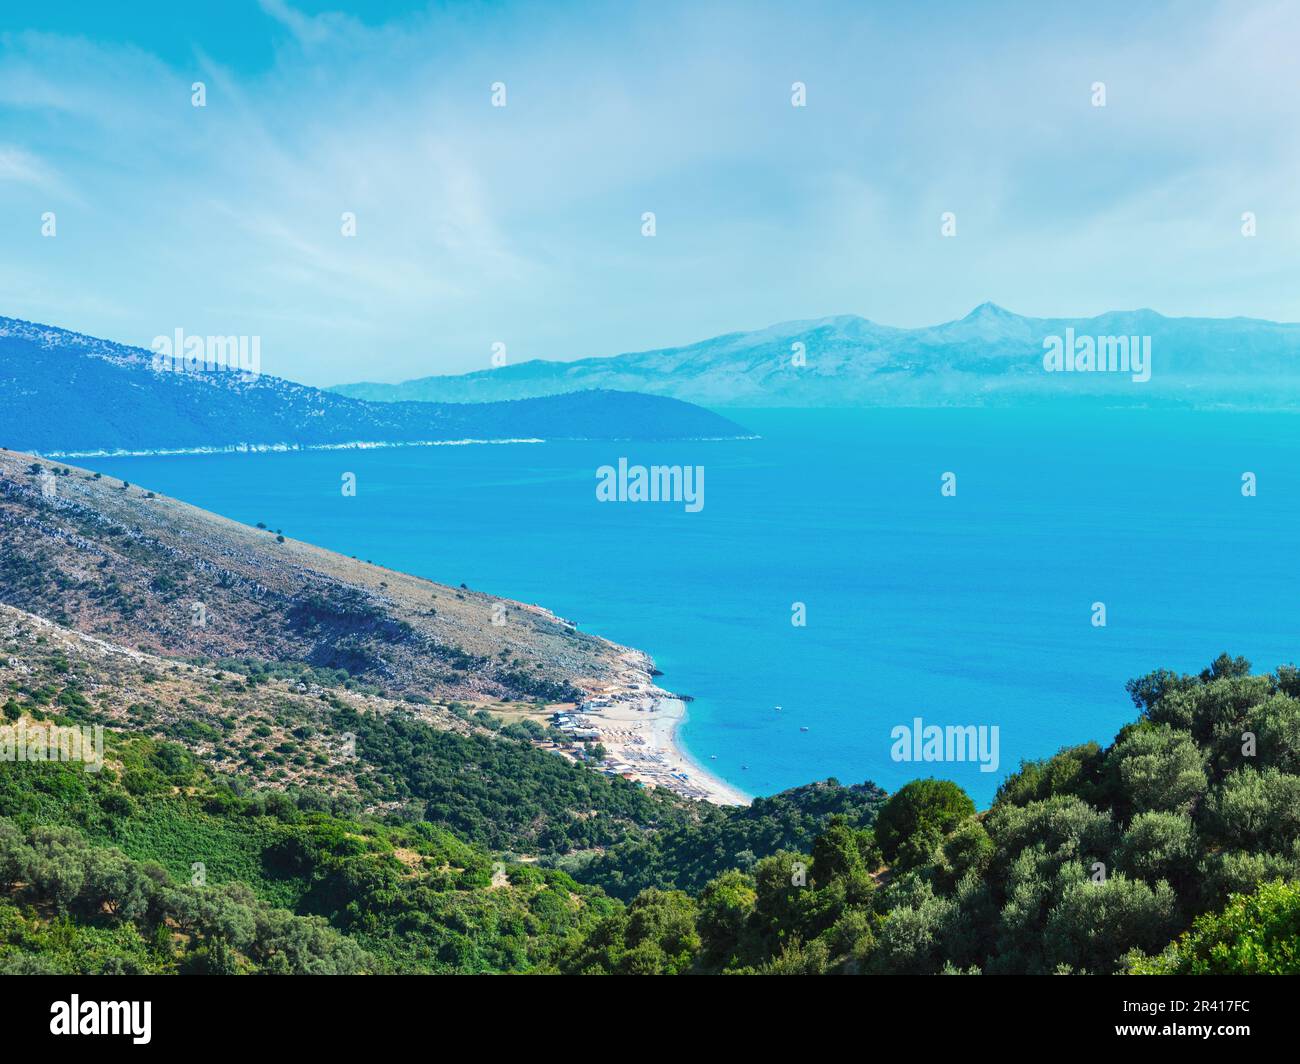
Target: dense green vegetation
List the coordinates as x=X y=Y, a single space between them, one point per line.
x=504 y=794
x=686 y=855
x=98 y=870
x=151 y=866
x=1089 y=861
x=1174 y=849
x=1256 y=934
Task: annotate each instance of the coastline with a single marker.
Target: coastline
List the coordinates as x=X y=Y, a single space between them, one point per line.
x=638 y=724
x=351 y=445
x=641 y=736
x=665 y=727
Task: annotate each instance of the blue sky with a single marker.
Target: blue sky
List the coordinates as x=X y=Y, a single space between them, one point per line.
x=523 y=224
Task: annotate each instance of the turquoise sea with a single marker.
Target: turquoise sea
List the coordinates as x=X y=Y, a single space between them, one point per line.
x=974 y=609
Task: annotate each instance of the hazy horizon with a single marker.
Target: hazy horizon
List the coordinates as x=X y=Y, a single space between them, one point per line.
x=774 y=327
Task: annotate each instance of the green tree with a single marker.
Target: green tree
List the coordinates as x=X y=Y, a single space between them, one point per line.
x=917 y=816
x=1095 y=924
x=1160 y=846
x=1255 y=934
x=726 y=907
x=1256 y=810
x=836 y=852
x=1156 y=768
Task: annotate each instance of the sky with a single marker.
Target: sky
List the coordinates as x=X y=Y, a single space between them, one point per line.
x=522 y=225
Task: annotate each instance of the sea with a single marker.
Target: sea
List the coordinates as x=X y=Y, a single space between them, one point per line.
x=852 y=577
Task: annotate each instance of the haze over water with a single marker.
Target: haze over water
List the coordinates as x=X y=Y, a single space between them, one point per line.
x=972 y=610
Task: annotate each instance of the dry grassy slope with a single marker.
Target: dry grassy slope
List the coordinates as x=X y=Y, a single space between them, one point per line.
x=114 y=562
x=278 y=733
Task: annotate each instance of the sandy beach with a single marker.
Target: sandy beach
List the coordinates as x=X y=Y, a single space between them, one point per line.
x=636 y=722
x=639 y=734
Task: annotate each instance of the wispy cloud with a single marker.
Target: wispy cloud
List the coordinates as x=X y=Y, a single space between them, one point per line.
x=23 y=167
x=476 y=224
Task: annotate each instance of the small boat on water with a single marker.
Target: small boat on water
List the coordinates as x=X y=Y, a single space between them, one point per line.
x=777 y=708
x=803 y=729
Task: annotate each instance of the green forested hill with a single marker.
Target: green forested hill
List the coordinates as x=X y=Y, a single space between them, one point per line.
x=153 y=865
x=1174 y=849
x=688 y=853
x=1092 y=861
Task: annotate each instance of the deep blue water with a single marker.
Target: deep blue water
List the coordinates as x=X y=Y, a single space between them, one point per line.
x=966 y=610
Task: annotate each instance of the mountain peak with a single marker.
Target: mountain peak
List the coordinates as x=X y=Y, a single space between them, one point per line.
x=992 y=356
x=987 y=311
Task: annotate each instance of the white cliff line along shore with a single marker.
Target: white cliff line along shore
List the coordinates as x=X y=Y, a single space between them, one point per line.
x=280 y=448
x=355 y=445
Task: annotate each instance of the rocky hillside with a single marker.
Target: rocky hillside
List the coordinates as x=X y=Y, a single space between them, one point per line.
x=152 y=574
x=271 y=728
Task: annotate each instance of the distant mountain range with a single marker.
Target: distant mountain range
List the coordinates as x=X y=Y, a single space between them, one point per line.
x=66 y=394
x=989 y=357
